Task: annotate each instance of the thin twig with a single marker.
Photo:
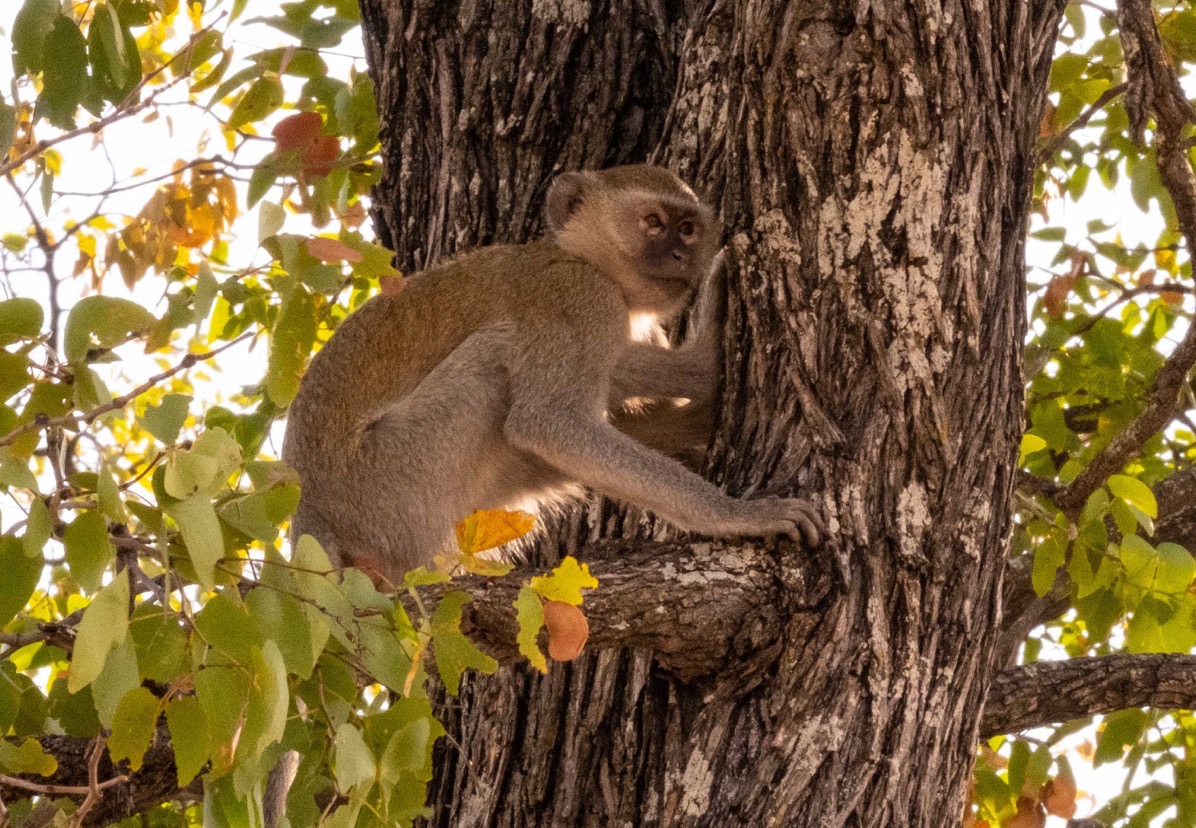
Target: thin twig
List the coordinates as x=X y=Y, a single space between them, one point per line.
x=117 y=403
x=59 y=790
x=1056 y=144
x=93 y=781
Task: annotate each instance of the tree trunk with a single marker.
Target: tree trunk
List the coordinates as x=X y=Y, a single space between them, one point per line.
x=873 y=166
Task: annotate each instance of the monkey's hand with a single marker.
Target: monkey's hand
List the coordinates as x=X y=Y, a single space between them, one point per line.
x=799 y=519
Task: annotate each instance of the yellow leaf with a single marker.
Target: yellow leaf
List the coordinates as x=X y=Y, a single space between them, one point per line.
x=565 y=583
x=488 y=528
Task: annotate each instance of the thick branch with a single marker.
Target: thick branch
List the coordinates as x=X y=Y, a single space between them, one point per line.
x=1153 y=88
x=1058 y=691
x=697 y=606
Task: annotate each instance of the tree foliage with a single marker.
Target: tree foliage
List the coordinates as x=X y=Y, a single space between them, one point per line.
x=149 y=593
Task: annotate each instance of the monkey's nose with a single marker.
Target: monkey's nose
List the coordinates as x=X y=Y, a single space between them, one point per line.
x=678 y=255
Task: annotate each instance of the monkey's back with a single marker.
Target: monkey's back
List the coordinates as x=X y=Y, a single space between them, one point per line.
x=382 y=352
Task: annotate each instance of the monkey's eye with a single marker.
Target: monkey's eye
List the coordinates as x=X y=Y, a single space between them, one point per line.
x=654 y=225
x=687 y=229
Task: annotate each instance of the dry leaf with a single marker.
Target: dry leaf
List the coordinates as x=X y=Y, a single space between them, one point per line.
x=298 y=130
x=568 y=630
x=331 y=250
x=1059 y=796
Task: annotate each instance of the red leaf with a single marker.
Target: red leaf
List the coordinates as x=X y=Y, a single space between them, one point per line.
x=298 y=130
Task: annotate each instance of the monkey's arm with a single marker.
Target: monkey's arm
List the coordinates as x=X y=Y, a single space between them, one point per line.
x=594 y=453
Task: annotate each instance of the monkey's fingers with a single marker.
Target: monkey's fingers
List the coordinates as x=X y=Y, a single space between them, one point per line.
x=808 y=523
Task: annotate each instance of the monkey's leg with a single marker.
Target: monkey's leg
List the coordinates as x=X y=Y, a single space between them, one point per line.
x=680 y=431
x=437 y=454
x=689 y=372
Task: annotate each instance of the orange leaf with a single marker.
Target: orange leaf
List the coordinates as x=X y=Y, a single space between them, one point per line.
x=319 y=156
x=331 y=250
x=488 y=528
x=1059 y=796
x=298 y=130
x=1056 y=295
x=1171 y=297
x=568 y=630
x=1029 y=814
x=1146 y=278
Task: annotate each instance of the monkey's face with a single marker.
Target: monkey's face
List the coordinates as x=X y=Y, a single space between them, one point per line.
x=642 y=226
x=668 y=243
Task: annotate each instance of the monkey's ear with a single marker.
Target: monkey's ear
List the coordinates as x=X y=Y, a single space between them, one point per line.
x=565 y=195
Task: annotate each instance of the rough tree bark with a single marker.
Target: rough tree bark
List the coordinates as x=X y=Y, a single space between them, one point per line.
x=872 y=162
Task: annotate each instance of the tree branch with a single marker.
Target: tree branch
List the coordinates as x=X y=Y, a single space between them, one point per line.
x=698 y=606
x=1058 y=691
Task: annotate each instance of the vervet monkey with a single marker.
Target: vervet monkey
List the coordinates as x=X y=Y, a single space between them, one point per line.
x=487 y=382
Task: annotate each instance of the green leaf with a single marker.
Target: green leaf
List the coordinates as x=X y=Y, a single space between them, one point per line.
x=1117 y=732
x=166 y=419
x=223 y=694
x=15 y=472
x=260 y=181
x=20 y=319
x=112 y=49
x=103 y=322
x=1144 y=632
x=188 y=737
x=74 y=712
x=64 y=76
x=352 y=761
x=21 y=574
x=529 y=612
x=89 y=551
x=108 y=496
x=104 y=625
x=28 y=758
x=225 y=624
x=1134 y=492
x=1031 y=443
x=217 y=444
x=282 y=619
x=290 y=344
x=201 y=533
x=14 y=373
x=454 y=654
x=39 y=526
x=1176 y=568
x=259 y=514
x=29 y=30
x=188 y=473
x=407 y=750
x=270 y=219
x=206 y=289
x=161 y=644
x=133 y=726
x=268 y=698
x=1048 y=557
x=565 y=583
x=263 y=97
x=119 y=676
